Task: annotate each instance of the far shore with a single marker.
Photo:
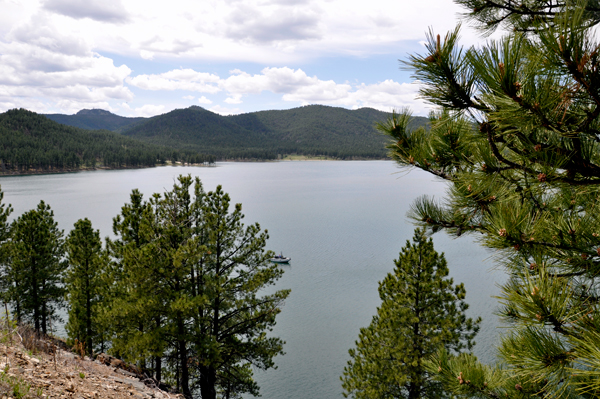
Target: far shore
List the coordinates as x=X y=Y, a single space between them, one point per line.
x=88 y=169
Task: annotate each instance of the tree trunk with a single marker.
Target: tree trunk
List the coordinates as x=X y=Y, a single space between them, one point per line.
x=88 y=314
x=183 y=360
x=158 y=369
x=44 y=317
x=34 y=294
x=157 y=358
x=208 y=380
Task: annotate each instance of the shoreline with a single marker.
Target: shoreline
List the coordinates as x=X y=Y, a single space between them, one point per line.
x=294 y=158
x=35 y=172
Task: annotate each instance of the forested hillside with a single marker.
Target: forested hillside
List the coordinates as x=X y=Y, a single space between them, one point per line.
x=204 y=131
x=31 y=143
x=96 y=119
x=309 y=130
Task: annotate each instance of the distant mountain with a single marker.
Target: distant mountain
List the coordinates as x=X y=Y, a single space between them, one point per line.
x=95 y=119
x=308 y=130
x=32 y=143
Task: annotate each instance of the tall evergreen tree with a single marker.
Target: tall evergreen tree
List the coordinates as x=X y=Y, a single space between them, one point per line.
x=421 y=312
x=190 y=273
x=517 y=137
x=232 y=325
x=37 y=266
x=84 y=284
x=122 y=321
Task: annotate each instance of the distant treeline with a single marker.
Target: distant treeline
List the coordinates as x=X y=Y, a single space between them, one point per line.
x=30 y=142
x=310 y=130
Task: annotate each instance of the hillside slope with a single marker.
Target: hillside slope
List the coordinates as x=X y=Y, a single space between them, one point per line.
x=309 y=130
x=96 y=119
x=31 y=143
x=34 y=367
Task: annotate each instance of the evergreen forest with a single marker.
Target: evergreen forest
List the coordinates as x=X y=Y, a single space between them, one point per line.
x=313 y=130
x=32 y=143
x=96 y=119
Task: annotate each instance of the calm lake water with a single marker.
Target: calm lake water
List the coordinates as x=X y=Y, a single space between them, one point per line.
x=343 y=223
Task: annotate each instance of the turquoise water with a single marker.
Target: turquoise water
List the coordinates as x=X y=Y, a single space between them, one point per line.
x=342 y=223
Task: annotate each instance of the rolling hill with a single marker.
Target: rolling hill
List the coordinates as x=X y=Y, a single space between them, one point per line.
x=309 y=130
x=32 y=143
x=95 y=119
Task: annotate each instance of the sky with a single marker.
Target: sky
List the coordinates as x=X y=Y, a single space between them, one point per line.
x=144 y=58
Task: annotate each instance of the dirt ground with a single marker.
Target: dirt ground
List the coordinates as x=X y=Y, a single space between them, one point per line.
x=42 y=370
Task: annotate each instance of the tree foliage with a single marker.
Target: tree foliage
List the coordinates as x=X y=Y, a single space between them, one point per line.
x=517 y=136
x=186 y=292
x=32 y=143
x=309 y=130
x=421 y=311
x=36 y=267
x=524 y=16
x=85 y=285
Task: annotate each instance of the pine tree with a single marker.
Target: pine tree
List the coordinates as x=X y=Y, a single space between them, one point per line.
x=190 y=273
x=36 y=266
x=84 y=284
x=119 y=315
x=421 y=311
x=516 y=134
x=233 y=324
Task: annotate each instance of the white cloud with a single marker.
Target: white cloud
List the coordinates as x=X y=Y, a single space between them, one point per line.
x=99 y=10
x=279 y=23
x=47 y=69
x=235 y=99
x=149 y=110
x=178 y=79
x=58 y=51
x=147 y=55
x=225 y=111
x=188 y=97
x=294 y=86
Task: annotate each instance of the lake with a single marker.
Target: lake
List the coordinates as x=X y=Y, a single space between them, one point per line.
x=342 y=223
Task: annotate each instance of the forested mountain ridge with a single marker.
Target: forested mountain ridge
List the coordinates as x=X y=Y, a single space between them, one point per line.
x=201 y=130
x=96 y=119
x=308 y=130
x=32 y=143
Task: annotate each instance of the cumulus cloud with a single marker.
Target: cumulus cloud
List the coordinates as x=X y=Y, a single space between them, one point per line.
x=149 y=110
x=147 y=55
x=294 y=86
x=162 y=44
x=204 y=100
x=41 y=64
x=280 y=24
x=235 y=99
x=218 y=109
x=99 y=10
x=177 y=79
x=62 y=48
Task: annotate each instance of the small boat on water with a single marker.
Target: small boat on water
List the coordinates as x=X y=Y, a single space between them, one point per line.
x=280 y=259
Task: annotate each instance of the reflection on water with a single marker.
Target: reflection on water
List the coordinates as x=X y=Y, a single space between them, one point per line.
x=342 y=223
